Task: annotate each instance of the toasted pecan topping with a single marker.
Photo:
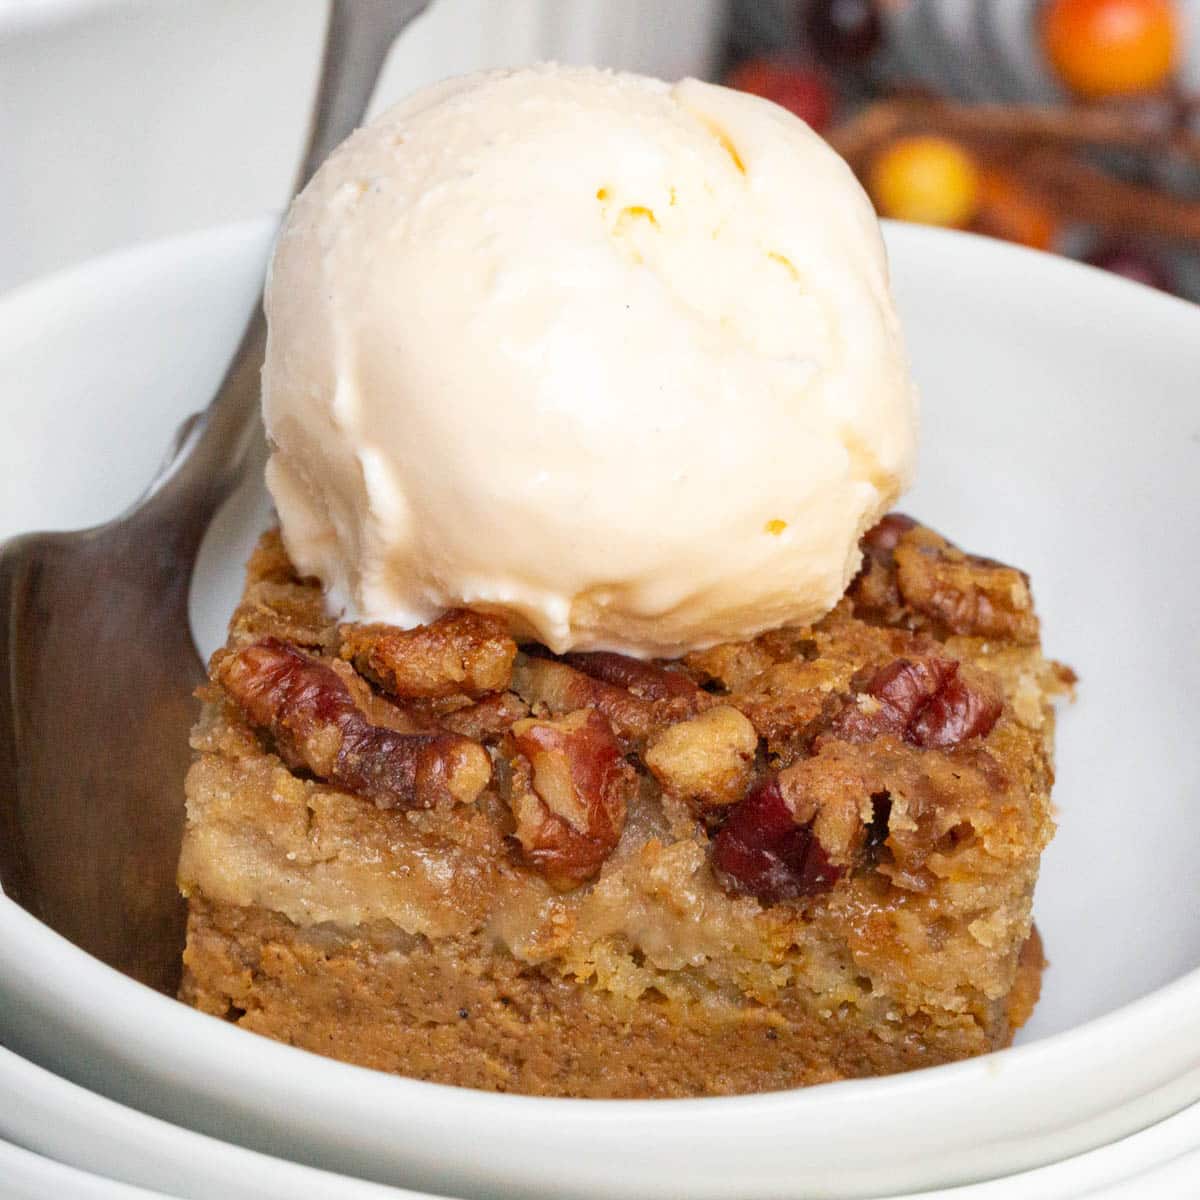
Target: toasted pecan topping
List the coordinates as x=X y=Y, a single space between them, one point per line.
x=926 y=700
x=461 y=653
x=310 y=713
x=488 y=717
x=920 y=794
x=707 y=759
x=568 y=790
x=881 y=540
x=913 y=576
x=648 y=680
x=874 y=591
x=969 y=595
x=964 y=708
x=800 y=829
x=561 y=689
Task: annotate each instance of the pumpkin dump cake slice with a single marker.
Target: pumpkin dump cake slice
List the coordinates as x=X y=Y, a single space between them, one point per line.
x=806 y=857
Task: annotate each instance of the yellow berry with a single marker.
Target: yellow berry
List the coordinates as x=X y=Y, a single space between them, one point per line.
x=926 y=179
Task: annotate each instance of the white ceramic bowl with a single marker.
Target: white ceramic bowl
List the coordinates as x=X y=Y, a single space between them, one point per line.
x=66 y=1141
x=61 y=1142
x=1061 y=432
x=70 y=1142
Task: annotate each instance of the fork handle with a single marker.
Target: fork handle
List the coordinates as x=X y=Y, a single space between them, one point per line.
x=212 y=452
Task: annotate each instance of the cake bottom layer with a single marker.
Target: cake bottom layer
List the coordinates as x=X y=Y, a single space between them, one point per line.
x=460 y=1011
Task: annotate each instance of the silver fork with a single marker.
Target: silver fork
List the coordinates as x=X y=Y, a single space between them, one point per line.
x=97 y=662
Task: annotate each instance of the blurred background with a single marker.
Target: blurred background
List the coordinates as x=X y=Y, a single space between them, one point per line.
x=1066 y=125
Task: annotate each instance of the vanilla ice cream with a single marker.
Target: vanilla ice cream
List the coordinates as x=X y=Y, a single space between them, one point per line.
x=612 y=357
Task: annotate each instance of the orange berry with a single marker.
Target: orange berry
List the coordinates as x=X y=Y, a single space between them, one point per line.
x=926 y=179
x=1008 y=211
x=1111 y=47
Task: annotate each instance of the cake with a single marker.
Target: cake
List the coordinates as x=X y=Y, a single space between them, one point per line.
x=587 y=728
x=802 y=857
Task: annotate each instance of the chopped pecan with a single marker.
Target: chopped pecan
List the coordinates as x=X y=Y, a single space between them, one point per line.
x=707 y=759
x=461 y=653
x=648 y=680
x=889 y=793
x=310 y=713
x=925 y=700
x=874 y=591
x=962 y=709
x=730 y=666
x=762 y=850
x=881 y=540
x=791 y=703
x=964 y=593
x=914 y=577
x=569 y=786
x=561 y=689
x=488 y=717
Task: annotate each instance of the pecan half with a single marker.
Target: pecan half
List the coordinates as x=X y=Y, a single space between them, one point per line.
x=925 y=700
x=310 y=713
x=762 y=850
x=461 y=653
x=561 y=689
x=568 y=791
x=964 y=593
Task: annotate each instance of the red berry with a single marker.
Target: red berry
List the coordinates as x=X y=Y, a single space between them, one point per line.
x=790 y=84
x=761 y=851
x=843 y=32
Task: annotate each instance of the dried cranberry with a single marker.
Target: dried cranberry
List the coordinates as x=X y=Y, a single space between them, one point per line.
x=761 y=851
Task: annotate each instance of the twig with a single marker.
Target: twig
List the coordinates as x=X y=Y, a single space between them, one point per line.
x=1149 y=129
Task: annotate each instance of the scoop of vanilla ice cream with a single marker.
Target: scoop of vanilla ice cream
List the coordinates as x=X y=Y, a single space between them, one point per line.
x=612 y=357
